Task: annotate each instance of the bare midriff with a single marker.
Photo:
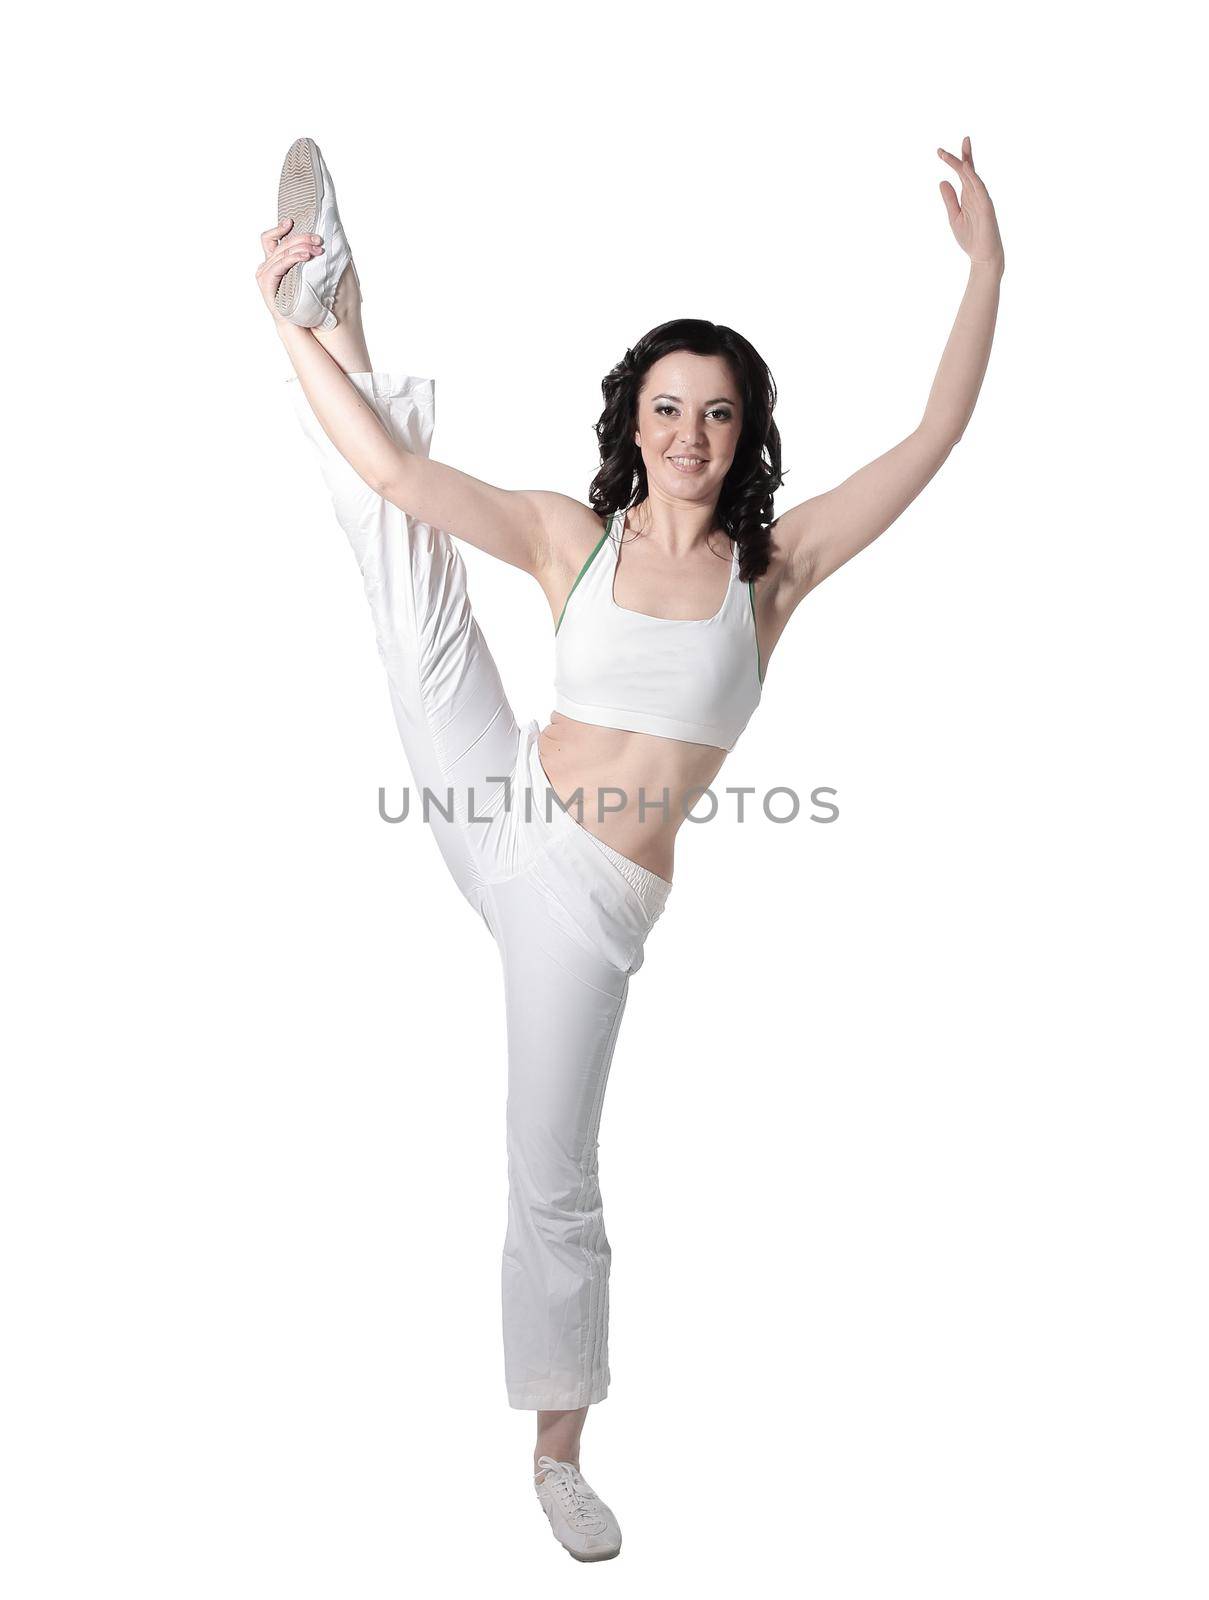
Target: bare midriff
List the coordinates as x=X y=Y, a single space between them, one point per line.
x=583 y=759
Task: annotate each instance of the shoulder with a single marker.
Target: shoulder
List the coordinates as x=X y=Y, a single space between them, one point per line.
x=570 y=530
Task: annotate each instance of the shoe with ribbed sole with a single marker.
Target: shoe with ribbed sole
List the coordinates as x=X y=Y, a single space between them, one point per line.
x=582 y=1523
x=306 y=194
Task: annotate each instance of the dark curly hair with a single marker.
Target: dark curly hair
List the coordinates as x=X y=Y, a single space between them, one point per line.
x=745 y=502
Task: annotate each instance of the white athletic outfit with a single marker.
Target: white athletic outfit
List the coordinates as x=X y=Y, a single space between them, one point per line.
x=682 y=679
x=569 y=914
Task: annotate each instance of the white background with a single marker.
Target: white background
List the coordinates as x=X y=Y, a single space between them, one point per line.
x=903 y=1150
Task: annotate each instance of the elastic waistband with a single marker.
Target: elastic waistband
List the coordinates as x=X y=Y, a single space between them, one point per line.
x=650 y=888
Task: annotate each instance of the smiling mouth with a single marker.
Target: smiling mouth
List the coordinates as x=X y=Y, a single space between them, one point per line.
x=688 y=463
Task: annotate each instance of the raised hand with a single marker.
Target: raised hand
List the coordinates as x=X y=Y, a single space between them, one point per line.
x=280 y=254
x=972 y=218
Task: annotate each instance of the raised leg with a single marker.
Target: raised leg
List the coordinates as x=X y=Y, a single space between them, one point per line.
x=346 y=343
x=458 y=729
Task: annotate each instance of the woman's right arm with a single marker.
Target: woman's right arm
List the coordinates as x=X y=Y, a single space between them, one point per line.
x=508 y=523
x=513 y=525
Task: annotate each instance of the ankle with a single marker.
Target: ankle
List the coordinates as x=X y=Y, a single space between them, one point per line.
x=347 y=304
x=345 y=343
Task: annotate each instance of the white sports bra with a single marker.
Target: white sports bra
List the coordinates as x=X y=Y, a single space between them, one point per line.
x=693 y=679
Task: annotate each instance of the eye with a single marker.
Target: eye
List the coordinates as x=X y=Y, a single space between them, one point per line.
x=720 y=412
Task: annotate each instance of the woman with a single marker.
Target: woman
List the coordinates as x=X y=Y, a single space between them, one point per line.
x=668 y=593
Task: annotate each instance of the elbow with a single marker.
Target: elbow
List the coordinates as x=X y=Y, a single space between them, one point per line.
x=940 y=440
x=387 y=484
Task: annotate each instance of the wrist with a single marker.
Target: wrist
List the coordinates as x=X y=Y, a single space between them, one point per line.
x=289 y=332
x=989 y=267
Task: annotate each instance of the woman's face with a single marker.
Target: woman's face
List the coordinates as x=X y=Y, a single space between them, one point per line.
x=688 y=407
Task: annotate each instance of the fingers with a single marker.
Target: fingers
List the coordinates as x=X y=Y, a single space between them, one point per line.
x=967 y=151
x=287 y=255
x=307 y=244
x=271 y=237
x=964 y=165
x=278 y=264
x=955 y=162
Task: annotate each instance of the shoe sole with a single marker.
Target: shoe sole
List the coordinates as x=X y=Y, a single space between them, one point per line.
x=298 y=195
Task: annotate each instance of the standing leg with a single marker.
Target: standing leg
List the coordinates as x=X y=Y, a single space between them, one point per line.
x=564 y=1004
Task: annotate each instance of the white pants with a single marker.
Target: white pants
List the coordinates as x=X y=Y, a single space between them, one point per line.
x=569 y=915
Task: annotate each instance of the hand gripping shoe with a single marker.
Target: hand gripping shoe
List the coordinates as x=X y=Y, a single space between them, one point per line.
x=581 y=1521
x=306 y=195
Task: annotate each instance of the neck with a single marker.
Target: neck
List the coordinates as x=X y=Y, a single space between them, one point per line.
x=675 y=527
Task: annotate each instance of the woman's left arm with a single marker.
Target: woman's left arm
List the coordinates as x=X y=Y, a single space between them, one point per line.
x=822 y=533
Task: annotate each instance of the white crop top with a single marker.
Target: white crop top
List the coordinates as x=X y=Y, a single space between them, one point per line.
x=698 y=680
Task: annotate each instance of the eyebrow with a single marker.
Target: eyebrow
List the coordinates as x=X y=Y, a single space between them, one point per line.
x=717 y=398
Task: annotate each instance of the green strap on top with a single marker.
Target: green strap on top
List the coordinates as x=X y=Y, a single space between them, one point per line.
x=751 y=595
x=583 y=569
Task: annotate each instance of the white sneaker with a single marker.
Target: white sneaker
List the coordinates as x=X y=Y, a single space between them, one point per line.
x=306 y=193
x=582 y=1523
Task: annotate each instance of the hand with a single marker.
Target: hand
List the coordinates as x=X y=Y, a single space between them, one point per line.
x=973 y=218
x=280 y=254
